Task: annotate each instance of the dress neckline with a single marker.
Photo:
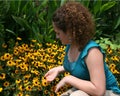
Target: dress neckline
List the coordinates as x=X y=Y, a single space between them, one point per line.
x=75 y=60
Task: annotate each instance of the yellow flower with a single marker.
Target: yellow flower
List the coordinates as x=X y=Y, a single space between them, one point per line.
x=24 y=66
x=18 y=81
x=39 y=87
x=1 y=89
x=6 y=83
x=27 y=76
x=7 y=56
x=18 y=38
x=112 y=65
x=10 y=63
x=2 y=58
x=66 y=73
x=54 y=47
x=49 y=50
x=21 y=88
x=29 y=88
x=16 y=52
x=2 y=76
x=114 y=71
x=25 y=47
x=46 y=91
x=58 y=93
x=36 y=82
x=48 y=44
x=115 y=58
x=34 y=41
x=60 y=62
x=109 y=51
x=16 y=71
x=27 y=95
x=4 y=45
x=20 y=94
x=106 y=59
x=38 y=44
x=57 y=79
x=44 y=82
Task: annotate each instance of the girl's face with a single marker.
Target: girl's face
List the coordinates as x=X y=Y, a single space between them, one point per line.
x=61 y=35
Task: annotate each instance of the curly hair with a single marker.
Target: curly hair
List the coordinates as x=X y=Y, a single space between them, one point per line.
x=75 y=17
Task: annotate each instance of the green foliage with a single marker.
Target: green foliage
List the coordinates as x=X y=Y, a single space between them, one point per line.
x=32 y=19
x=107 y=19
x=104 y=42
x=28 y=19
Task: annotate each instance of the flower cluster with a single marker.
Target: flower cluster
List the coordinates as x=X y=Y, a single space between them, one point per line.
x=113 y=61
x=22 y=69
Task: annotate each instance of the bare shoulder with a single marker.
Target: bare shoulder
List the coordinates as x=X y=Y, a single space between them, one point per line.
x=94 y=53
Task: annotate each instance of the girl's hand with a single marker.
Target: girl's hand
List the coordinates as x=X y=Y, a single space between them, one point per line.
x=52 y=74
x=61 y=83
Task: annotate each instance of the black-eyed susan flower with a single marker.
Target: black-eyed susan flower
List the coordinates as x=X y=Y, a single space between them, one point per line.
x=28 y=88
x=114 y=71
x=10 y=63
x=4 y=45
x=46 y=92
x=2 y=58
x=36 y=81
x=18 y=81
x=109 y=51
x=54 y=47
x=112 y=65
x=66 y=74
x=6 y=84
x=115 y=58
x=16 y=52
x=2 y=76
x=21 y=88
x=7 y=56
x=44 y=82
x=58 y=93
x=60 y=62
x=20 y=94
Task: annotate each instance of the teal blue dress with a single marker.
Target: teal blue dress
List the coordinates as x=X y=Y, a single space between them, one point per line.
x=79 y=68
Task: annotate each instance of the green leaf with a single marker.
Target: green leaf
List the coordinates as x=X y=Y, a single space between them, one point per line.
x=10 y=31
x=97 y=6
x=62 y=2
x=118 y=23
x=22 y=22
x=107 y=6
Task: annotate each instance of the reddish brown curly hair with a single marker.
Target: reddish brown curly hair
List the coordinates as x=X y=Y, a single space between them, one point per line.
x=75 y=17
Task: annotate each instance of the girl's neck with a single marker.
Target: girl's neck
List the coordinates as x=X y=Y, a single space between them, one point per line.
x=73 y=53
